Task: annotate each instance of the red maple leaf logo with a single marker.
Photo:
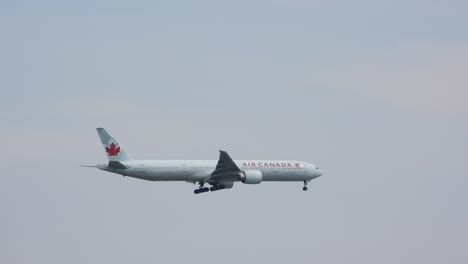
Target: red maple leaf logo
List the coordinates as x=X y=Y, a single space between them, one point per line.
x=298 y=165
x=112 y=150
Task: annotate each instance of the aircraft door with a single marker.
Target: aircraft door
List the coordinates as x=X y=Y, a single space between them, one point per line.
x=184 y=168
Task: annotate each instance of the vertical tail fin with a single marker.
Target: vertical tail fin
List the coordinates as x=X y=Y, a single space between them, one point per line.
x=113 y=149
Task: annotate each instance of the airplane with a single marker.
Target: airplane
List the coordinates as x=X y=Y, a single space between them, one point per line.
x=220 y=174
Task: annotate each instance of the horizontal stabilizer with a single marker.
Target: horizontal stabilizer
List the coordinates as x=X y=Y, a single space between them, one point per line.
x=89 y=166
x=116 y=165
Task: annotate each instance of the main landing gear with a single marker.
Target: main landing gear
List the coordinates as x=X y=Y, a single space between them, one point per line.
x=305 y=186
x=215 y=187
x=201 y=189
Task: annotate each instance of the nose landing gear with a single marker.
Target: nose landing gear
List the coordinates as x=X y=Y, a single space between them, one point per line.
x=305 y=186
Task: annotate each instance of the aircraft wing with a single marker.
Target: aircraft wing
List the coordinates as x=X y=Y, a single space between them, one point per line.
x=226 y=169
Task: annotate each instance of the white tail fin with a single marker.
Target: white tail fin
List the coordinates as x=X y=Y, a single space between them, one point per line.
x=113 y=149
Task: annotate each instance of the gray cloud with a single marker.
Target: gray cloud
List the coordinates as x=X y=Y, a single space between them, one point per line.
x=419 y=77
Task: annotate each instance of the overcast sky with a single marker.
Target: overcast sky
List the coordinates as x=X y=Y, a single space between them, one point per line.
x=375 y=93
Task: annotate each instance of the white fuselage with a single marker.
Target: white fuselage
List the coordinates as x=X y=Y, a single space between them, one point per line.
x=198 y=170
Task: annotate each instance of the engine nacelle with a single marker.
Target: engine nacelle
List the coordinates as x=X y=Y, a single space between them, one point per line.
x=251 y=177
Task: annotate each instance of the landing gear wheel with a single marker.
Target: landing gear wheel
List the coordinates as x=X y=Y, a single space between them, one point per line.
x=305 y=186
x=202 y=189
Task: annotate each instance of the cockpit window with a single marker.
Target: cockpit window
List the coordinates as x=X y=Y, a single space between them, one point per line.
x=316 y=168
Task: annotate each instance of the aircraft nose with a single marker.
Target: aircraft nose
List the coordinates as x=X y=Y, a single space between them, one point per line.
x=319 y=173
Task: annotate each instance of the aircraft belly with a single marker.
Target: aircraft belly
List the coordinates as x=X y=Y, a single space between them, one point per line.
x=198 y=175
x=283 y=176
x=152 y=175
x=170 y=176
x=137 y=174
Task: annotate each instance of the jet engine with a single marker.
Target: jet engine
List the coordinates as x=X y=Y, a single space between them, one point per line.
x=251 y=177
